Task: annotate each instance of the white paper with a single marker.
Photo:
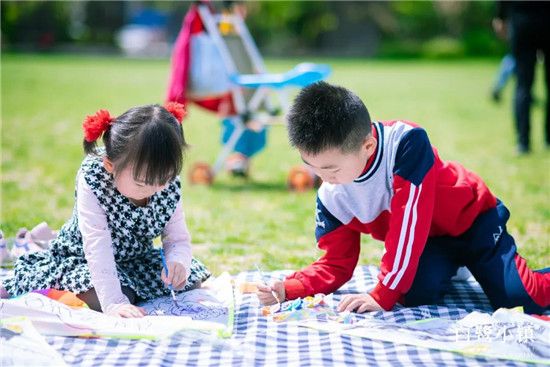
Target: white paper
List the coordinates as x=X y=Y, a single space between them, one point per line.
x=505 y=334
x=22 y=345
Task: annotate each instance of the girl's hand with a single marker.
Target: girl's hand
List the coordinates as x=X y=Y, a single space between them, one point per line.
x=126 y=310
x=177 y=275
x=359 y=303
x=265 y=293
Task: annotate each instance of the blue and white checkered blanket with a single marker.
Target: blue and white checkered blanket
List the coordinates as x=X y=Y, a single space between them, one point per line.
x=256 y=341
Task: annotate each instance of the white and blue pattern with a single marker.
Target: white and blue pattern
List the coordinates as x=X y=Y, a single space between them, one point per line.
x=259 y=342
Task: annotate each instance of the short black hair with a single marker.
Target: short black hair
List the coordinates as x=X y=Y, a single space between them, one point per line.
x=148 y=138
x=325 y=116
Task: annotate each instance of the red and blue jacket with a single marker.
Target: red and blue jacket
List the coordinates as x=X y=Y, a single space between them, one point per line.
x=405 y=195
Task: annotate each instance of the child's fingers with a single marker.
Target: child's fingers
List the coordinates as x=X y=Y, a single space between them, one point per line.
x=353 y=305
x=136 y=311
x=125 y=313
x=266 y=297
x=168 y=279
x=363 y=308
x=176 y=273
x=279 y=288
x=179 y=286
x=130 y=311
x=264 y=288
x=180 y=276
x=345 y=302
x=172 y=272
x=267 y=300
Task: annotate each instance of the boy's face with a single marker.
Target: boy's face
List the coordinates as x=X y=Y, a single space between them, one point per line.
x=337 y=167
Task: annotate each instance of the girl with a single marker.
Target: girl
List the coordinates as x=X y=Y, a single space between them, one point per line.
x=127 y=193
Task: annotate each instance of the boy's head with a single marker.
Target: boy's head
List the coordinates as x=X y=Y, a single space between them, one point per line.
x=331 y=128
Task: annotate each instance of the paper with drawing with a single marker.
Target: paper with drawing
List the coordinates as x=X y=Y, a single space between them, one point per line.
x=202 y=310
x=211 y=304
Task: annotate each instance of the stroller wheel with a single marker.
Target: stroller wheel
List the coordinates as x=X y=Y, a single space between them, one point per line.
x=238 y=165
x=201 y=174
x=301 y=179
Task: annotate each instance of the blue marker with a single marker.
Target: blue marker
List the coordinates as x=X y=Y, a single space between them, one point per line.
x=166 y=270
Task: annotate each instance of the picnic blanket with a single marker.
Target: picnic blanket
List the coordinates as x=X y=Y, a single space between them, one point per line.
x=257 y=341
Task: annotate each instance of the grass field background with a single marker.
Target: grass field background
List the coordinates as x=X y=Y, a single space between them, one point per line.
x=236 y=223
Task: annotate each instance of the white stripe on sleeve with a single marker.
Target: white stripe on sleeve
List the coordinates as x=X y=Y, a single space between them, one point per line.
x=402 y=235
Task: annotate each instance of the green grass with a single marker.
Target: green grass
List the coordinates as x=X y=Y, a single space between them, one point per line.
x=235 y=224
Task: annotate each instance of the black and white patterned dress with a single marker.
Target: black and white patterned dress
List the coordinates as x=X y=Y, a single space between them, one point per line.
x=133 y=229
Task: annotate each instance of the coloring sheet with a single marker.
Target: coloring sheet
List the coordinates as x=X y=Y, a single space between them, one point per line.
x=212 y=305
x=50 y=317
x=505 y=334
x=206 y=311
x=22 y=345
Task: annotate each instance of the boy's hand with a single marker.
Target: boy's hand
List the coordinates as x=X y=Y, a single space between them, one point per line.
x=177 y=275
x=126 y=310
x=359 y=303
x=265 y=294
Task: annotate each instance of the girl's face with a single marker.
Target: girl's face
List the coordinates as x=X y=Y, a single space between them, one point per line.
x=133 y=189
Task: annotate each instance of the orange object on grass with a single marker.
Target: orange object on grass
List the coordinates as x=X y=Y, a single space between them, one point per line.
x=302 y=179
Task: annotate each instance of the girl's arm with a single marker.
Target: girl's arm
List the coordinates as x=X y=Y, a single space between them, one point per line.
x=176 y=240
x=98 y=248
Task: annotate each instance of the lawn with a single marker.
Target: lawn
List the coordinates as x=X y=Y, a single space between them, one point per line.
x=234 y=223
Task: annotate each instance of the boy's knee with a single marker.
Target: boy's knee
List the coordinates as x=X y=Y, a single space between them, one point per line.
x=428 y=289
x=418 y=297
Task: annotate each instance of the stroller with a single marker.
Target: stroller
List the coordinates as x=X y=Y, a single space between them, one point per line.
x=217 y=65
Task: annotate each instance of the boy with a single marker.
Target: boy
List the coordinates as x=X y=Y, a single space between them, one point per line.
x=385 y=179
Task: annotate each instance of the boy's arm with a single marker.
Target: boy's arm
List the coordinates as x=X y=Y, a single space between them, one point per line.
x=335 y=267
x=411 y=215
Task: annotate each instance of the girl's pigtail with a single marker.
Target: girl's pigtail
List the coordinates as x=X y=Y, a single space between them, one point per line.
x=176 y=109
x=94 y=126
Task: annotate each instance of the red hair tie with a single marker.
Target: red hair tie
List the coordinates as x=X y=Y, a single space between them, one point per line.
x=176 y=109
x=95 y=125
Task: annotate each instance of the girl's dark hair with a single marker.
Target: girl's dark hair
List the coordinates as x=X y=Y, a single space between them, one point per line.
x=325 y=116
x=147 y=138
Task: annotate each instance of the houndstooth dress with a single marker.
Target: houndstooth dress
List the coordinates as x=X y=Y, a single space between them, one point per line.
x=133 y=229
